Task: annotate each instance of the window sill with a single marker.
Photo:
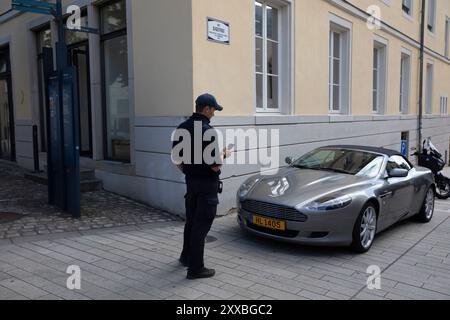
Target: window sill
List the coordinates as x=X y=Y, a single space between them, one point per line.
x=337 y=113
x=431 y=33
x=267 y=112
x=408 y=17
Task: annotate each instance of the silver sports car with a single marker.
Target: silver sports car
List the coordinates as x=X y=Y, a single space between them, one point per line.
x=337 y=195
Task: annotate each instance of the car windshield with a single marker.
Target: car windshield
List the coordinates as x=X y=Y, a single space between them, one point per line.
x=357 y=163
x=432 y=146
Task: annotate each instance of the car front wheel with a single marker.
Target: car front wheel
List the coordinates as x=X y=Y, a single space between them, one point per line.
x=365 y=229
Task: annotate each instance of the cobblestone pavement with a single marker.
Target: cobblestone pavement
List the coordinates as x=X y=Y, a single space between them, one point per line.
x=141 y=263
x=24 y=204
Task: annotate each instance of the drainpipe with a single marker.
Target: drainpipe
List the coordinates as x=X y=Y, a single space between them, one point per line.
x=422 y=49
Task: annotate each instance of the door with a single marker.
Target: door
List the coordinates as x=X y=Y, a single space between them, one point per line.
x=397 y=193
x=7 y=139
x=79 y=58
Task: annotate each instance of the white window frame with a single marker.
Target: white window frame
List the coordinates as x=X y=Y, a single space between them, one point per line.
x=447 y=37
x=376 y=79
x=344 y=28
x=284 y=57
x=431 y=20
x=381 y=45
x=429 y=87
x=411 y=8
x=405 y=81
x=444 y=104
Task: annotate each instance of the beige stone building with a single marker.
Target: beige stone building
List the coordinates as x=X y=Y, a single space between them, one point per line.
x=317 y=70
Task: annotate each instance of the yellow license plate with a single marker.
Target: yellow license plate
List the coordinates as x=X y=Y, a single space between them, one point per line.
x=269 y=223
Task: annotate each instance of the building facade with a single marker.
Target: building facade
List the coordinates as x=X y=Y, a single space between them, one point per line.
x=319 y=71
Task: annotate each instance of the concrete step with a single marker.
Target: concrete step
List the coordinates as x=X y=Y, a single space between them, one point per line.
x=88 y=181
x=85 y=174
x=91 y=185
x=40 y=178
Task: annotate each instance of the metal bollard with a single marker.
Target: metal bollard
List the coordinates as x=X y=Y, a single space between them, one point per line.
x=35 y=149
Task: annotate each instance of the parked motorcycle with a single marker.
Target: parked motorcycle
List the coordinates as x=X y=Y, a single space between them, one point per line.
x=432 y=159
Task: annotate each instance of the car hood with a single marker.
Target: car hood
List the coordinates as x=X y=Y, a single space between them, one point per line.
x=292 y=186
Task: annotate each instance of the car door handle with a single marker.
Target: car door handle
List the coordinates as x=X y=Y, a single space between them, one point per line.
x=387 y=194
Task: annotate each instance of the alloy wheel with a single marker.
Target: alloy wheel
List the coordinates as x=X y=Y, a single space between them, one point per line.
x=368 y=227
x=429 y=204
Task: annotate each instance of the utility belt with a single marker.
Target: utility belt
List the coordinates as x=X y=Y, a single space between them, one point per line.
x=199 y=183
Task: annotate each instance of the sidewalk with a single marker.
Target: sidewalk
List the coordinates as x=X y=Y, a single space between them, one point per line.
x=24 y=209
x=128 y=250
x=142 y=263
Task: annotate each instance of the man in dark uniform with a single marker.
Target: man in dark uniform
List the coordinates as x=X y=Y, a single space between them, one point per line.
x=203 y=186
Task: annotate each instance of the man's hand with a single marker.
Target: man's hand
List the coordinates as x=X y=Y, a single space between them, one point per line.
x=226 y=153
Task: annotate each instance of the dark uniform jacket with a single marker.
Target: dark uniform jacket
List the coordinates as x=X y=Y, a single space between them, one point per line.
x=199 y=171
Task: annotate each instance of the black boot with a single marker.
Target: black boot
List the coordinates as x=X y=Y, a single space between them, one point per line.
x=204 y=273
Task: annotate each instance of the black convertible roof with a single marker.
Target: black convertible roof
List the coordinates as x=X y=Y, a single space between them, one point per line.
x=387 y=152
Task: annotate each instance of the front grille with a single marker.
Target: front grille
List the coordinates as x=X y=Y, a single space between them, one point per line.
x=273 y=210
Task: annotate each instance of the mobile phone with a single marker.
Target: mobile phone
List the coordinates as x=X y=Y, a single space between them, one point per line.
x=230 y=147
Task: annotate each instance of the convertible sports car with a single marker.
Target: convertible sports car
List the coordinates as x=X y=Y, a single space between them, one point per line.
x=337 y=195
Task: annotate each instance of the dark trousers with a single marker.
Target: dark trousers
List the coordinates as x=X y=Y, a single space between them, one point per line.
x=201 y=209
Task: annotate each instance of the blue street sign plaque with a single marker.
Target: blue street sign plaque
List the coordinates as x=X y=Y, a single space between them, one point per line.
x=34 y=6
x=46 y=8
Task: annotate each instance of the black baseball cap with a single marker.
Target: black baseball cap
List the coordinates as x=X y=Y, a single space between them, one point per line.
x=208 y=100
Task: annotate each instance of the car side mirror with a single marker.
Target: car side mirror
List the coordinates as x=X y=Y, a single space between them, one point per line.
x=398 y=173
x=289 y=160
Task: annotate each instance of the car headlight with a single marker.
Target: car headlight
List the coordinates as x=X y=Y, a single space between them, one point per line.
x=247 y=186
x=327 y=203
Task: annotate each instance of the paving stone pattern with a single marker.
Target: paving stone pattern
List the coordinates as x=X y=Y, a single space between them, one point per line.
x=142 y=263
x=100 y=209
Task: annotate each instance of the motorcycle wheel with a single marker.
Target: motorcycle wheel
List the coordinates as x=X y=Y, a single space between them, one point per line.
x=443 y=189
